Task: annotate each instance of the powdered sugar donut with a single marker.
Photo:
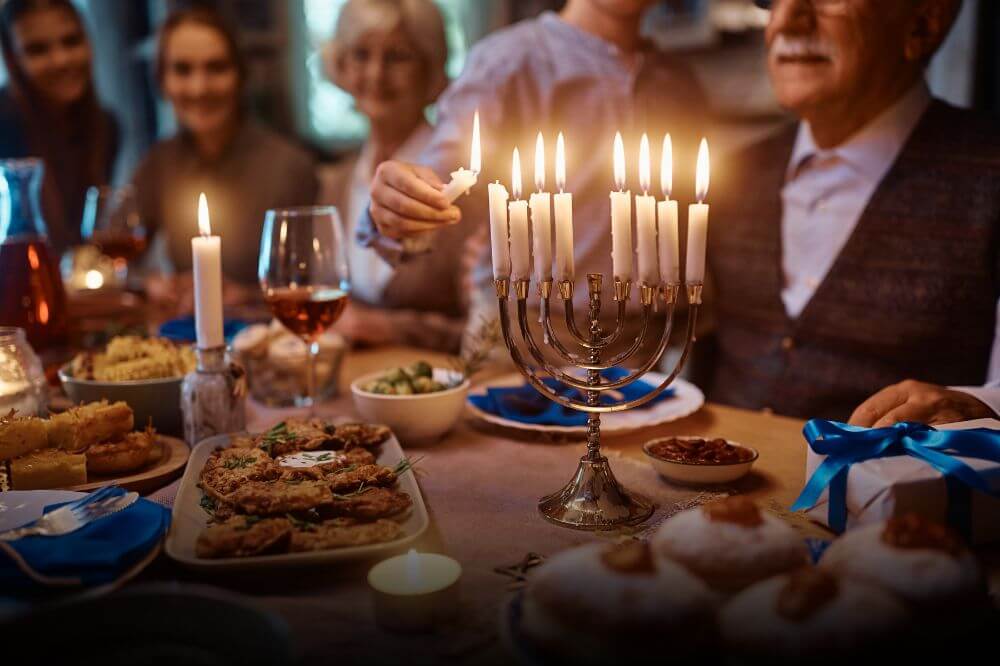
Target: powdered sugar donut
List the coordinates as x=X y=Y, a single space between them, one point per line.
x=597 y=603
x=810 y=614
x=922 y=562
x=730 y=544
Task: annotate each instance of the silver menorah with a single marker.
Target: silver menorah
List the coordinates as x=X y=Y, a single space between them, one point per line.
x=594 y=499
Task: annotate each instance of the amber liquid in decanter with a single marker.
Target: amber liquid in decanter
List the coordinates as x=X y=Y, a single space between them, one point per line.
x=32 y=296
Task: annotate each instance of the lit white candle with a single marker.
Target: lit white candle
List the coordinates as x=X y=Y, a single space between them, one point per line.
x=463 y=179
x=520 y=252
x=669 y=244
x=206 y=262
x=698 y=221
x=645 y=221
x=541 y=217
x=498 y=230
x=415 y=591
x=621 y=218
x=563 y=207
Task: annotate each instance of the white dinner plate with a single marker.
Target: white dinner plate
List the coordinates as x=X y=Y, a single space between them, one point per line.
x=19 y=507
x=686 y=400
x=189 y=518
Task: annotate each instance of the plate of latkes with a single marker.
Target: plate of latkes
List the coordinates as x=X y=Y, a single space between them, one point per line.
x=306 y=491
x=86 y=447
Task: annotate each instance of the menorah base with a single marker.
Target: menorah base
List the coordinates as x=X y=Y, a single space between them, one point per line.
x=594 y=500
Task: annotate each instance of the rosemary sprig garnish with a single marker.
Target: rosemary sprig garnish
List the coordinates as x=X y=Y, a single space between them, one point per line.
x=354 y=493
x=208 y=504
x=278 y=434
x=477 y=347
x=405 y=465
x=239 y=462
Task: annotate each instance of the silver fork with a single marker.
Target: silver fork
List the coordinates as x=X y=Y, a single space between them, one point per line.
x=72 y=517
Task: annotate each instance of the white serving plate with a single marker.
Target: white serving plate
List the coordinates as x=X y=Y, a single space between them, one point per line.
x=189 y=519
x=687 y=399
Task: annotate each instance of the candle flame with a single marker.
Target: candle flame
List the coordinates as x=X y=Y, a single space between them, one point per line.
x=644 y=176
x=476 y=158
x=515 y=175
x=701 y=180
x=540 y=162
x=204 y=225
x=412 y=567
x=560 y=162
x=619 y=162
x=667 y=167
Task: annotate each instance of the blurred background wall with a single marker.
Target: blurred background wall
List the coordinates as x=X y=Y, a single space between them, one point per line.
x=721 y=39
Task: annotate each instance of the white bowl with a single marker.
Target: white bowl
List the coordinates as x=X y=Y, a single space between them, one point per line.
x=699 y=473
x=421 y=418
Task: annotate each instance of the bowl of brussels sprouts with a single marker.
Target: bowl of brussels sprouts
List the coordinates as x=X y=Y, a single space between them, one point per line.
x=419 y=402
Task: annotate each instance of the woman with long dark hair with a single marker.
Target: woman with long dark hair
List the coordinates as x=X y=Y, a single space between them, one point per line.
x=49 y=109
x=242 y=167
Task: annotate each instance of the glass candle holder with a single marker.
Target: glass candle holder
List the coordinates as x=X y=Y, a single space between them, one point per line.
x=22 y=379
x=213 y=397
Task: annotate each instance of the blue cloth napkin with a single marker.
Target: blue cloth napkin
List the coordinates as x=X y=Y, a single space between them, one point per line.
x=526 y=405
x=182 y=329
x=98 y=553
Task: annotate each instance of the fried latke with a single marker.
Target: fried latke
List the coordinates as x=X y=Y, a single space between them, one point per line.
x=226 y=470
x=348 y=480
x=369 y=504
x=241 y=536
x=343 y=532
x=267 y=498
x=128 y=454
x=349 y=436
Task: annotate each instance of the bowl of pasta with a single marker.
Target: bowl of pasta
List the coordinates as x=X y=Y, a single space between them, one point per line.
x=145 y=373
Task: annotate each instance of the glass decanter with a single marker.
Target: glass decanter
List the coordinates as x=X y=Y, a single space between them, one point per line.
x=32 y=297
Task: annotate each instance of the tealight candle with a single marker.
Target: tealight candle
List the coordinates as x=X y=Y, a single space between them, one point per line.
x=414 y=591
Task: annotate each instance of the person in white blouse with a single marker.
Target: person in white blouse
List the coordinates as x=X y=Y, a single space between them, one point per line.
x=884 y=264
x=390 y=56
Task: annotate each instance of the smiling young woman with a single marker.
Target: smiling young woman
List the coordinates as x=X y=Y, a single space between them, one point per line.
x=49 y=108
x=243 y=168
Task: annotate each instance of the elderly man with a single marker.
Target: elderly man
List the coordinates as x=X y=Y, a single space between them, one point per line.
x=860 y=247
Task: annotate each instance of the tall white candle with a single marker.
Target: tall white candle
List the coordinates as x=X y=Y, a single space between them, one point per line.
x=498 y=230
x=520 y=252
x=541 y=217
x=463 y=179
x=645 y=221
x=698 y=221
x=206 y=263
x=621 y=218
x=563 y=207
x=668 y=239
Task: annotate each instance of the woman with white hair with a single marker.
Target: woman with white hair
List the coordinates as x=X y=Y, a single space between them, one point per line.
x=390 y=56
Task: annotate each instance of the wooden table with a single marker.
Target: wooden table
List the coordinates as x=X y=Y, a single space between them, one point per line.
x=779 y=473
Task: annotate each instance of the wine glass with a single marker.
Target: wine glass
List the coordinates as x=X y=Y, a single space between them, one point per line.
x=304 y=274
x=111 y=221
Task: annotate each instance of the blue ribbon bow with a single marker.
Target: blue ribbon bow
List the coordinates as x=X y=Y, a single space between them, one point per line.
x=844 y=445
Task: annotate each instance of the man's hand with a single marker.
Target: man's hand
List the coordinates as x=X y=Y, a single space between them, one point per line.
x=406 y=200
x=911 y=400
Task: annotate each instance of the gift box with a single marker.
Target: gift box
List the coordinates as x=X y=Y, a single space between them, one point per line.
x=950 y=474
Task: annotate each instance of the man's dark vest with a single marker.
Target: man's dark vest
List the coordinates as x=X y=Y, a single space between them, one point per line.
x=913 y=293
